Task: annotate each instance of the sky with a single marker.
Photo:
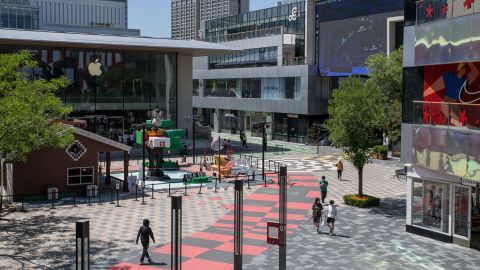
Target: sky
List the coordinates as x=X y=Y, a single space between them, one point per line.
x=152 y=17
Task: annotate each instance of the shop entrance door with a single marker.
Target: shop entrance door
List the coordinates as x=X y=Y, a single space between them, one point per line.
x=475 y=219
x=461 y=218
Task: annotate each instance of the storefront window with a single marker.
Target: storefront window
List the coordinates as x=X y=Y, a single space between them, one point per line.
x=430 y=205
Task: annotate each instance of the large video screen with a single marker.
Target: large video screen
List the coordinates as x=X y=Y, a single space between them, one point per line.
x=350 y=31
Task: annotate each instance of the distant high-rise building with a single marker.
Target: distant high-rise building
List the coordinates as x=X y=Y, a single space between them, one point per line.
x=187 y=14
x=87 y=16
x=18 y=14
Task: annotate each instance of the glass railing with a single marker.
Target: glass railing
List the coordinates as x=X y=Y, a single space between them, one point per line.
x=433 y=10
x=446 y=138
x=246 y=35
x=294 y=61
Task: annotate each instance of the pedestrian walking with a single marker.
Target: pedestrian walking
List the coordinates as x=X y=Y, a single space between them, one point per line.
x=243 y=138
x=317 y=209
x=323 y=188
x=144 y=233
x=339 y=166
x=331 y=216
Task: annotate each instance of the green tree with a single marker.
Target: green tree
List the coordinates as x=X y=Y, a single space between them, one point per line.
x=27 y=109
x=386 y=73
x=356 y=114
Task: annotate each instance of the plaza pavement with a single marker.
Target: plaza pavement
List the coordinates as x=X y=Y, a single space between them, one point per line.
x=366 y=238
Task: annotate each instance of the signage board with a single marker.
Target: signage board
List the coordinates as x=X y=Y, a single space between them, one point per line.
x=469 y=182
x=273 y=229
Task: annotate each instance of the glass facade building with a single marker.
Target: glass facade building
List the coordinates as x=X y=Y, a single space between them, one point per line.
x=110 y=87
x=18 y=14
x=441 y=120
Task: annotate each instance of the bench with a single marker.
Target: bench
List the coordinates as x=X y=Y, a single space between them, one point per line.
x=401 y=173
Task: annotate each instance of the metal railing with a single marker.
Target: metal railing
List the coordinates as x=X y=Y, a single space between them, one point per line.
x=246 y=35
x=458 y=115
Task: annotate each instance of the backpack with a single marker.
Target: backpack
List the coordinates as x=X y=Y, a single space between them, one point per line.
x=323 y=185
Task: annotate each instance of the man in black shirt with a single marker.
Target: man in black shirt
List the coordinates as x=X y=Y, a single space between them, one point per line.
x=144 y=233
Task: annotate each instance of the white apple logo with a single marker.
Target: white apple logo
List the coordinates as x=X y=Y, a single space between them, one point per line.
x=95 y=68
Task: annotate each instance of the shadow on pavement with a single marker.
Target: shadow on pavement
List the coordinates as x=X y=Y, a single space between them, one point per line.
x=391 y=207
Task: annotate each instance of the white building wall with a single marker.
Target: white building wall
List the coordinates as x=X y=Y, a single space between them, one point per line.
x=82 y=12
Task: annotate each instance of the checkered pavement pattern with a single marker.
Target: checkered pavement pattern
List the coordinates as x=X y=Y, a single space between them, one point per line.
x=212 y=248
x=45 y=237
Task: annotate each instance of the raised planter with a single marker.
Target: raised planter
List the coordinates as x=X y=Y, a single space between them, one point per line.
x=362 y=202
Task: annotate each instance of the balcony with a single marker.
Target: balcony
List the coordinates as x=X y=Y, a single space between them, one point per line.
x=446 y=138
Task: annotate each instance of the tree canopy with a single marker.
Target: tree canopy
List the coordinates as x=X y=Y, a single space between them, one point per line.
x=356 y=114
x=386 y=73
x=27 y=109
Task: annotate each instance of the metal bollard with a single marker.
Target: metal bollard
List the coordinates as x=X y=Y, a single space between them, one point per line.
x=23 y=209
x=185 y=189
x=118 y=202
x=200 y=190
x=216 y=190
x=169 y=194
x=248 y=181
x=257 y=163
x=143 y=196
x=1 y=205
x=99 y=196
x=74 y=195
x=111 y=197
x=53 y=197
x=152 y=193
x=136 y=192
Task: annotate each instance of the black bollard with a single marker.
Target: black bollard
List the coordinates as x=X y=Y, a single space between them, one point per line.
x=143 y=195
x=74 y=195
x=200 y=190
x=111 y=196
x=185 y=189
x=53 y=197
x=152 y=193
x=169 y=194
x=23 y=209
x=248 y=181
x=118 y=202
x=136 y=192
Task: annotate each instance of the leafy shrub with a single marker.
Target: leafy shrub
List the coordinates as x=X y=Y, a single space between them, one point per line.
x=362 y=202
x=380 y=149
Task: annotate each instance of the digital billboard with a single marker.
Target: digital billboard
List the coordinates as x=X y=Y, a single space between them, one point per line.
x=351 y=30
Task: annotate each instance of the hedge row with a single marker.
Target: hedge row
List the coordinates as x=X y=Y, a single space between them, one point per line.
x=362 y=202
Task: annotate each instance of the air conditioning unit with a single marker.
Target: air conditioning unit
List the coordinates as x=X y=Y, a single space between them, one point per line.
x=92 y=191
x=52 y=193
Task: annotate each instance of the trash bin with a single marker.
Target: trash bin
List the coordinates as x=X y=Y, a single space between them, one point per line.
x=91 y=191
x=52 y=193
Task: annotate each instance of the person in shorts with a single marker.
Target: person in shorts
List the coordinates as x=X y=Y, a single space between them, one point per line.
x=331 y=216
x=317 y=209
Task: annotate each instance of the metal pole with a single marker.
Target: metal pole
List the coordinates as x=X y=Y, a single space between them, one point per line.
x=185 y=189
x=248 y=181
x=176 y=233
x=118 y=202
x=143 y=195
x=152 y=192
x=263 y=155
x=136 y=192
x=219 y=174
x=74 y=197
x=143 y=153
x=169 y=195
x=282 y=176
x=200 y=190
x=82 y=245
x=193 y=139
x=238 y=225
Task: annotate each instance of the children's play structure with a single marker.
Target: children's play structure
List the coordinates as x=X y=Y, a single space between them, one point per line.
x=156 y=137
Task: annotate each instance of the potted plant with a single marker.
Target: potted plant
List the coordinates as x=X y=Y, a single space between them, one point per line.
x=380 y=152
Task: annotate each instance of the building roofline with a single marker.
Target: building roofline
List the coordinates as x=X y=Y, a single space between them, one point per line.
x=46 y=38
x=102 y=139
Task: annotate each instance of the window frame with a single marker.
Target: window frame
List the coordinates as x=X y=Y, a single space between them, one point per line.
x=81 y=183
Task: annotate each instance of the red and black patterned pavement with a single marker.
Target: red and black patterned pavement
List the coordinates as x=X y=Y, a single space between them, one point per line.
x=212 y=248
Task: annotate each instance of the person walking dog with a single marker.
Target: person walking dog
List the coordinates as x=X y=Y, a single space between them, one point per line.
x=144 y=233
x=339 y=166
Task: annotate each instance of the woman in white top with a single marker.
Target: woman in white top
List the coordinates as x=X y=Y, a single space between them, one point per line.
x=331 y=216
